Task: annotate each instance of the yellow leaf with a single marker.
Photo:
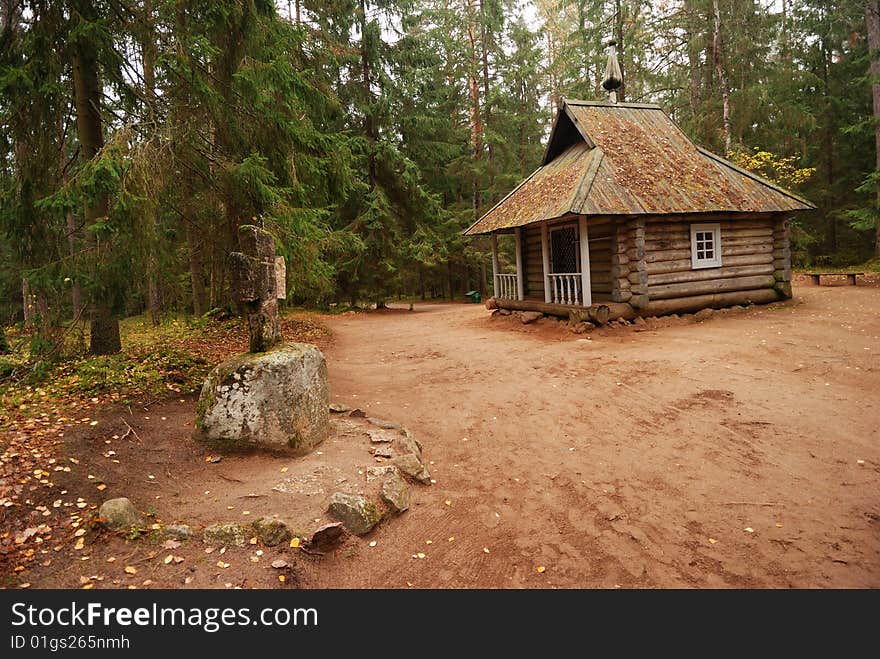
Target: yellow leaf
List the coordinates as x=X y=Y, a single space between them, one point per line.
x=80 y=532
x=283 y=470
x=540 y=569
x=223 y=565
x=282 y=578
x=102 y=487
x=88 y=586
x=130 y=569
x=168 y=559
x=253 y=540
x=80 y=543
x=712 y=541
x=295 y=542
x=485 y=550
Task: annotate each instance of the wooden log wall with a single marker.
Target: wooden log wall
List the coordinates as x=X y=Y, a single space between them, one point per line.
x=533 y=262
x=747 y=252
x=599 y=232
x=782 y=256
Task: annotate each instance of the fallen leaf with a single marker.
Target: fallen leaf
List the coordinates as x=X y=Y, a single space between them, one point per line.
x=170 y=544
x=102 y=487
x=282 y=578
x=294 y=542
x=540 y=569
x=373 y=543
x=168 y=559
x=188 y=580
x=712 y=541
x=485 y=550
x=79 y=532
x=88 y=586
x=448 y=502
x=284 y=470
x=129 y=569
x=179 y=559
x=223 y=565
x=80 y=543
x=112 y=559
x=749 y=529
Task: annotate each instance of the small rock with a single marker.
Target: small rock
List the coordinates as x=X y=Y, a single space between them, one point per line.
x=326 y=538
x=530 y=317
x=383 y=451
x=385 y=425
x=339 y=408
x=505 y=312
x=704 y=314
x=120 y=515
x=280 y=564
x=272 y=532
x=357 y=413
x=639 y=321
x=409 y=444
x=411 y=466
x=230 y=533
x=395 y=493
x=178 y=531
x=380 y=436
x=376 y=473
x=358 y=514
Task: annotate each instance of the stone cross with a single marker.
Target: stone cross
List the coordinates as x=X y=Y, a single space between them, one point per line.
x=255 y=286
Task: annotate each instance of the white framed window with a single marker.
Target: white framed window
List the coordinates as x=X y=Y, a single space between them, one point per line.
x=705 y=246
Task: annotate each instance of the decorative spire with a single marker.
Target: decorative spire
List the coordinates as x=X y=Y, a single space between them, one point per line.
x=613 y=76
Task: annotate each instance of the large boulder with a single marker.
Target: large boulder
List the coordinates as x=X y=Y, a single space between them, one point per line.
x=358 y=514
x=277 y=400
x=120 y=515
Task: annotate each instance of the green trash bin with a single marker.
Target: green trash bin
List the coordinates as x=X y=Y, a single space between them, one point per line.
x=473 y=296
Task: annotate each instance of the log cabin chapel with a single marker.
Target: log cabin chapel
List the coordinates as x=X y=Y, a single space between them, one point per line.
x=628 y=213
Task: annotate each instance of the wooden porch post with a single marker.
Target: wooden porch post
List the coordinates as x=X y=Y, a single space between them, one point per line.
x=520 y=289
x=494 y=240
x=545 y=253
x=587 y=295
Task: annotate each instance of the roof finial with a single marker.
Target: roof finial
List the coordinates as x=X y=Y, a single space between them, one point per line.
x=613 y=76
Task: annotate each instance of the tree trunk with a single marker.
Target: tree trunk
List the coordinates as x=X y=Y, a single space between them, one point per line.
x=4 y=344
x=87 y=101
x=196 y=270
x=872 y=21
x=484 y=43
x=718 y=59
x=695 y=66
x=148 y=50
x=618 y=32
x=476 y=115
x=27 y=303
x=76 y=289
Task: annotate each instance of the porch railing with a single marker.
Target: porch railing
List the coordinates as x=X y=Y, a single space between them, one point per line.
x=565 y=287
x=505 y=287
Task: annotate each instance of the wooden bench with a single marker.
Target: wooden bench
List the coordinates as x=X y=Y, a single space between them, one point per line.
x=851 y=276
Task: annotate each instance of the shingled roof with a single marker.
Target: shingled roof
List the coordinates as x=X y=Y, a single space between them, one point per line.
x=630 y=159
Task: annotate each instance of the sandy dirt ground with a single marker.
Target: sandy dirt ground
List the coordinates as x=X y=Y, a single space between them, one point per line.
x=737 y=452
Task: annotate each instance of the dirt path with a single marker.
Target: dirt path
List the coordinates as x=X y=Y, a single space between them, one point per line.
x=720 y=454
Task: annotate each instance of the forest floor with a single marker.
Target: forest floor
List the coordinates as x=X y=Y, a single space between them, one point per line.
x=741 y=451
